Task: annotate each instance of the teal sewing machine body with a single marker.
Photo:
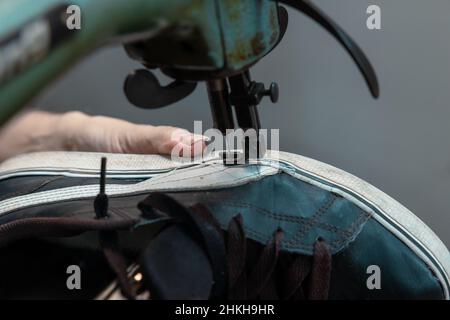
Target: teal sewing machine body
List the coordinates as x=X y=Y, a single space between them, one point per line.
x=217 y=37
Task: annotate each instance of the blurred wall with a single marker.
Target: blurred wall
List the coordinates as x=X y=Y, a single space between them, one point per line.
x=399 y=143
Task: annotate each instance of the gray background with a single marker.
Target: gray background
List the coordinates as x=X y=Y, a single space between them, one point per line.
x=399 y=143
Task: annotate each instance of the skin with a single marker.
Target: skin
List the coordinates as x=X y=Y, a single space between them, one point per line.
x=75 y=131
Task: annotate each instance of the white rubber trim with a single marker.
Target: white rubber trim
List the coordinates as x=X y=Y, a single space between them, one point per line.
x=86 y=164
x=199 y=177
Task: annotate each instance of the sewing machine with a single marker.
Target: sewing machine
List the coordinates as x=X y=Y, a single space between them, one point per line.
x=188 y=40
x=216 y=41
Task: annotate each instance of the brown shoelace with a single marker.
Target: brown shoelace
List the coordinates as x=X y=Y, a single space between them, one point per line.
x=268 y=273
x=258 y=271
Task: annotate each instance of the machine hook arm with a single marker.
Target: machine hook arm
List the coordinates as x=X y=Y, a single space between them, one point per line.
x=349 y=44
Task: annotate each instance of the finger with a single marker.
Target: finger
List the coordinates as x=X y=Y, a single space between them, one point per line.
x=160 y=140
x=187 y=143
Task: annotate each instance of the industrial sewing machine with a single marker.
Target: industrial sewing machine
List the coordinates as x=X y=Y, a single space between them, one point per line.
x=188 y=40
x=216 y=41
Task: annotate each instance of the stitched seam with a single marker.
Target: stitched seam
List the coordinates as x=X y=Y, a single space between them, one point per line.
x=234 y=183
x=335 y=244
x=288 y=218
x=338 y=242
x=320 y=212
x=187 y=178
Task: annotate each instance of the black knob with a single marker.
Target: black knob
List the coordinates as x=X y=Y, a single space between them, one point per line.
x=255 y=92
x=273 y=92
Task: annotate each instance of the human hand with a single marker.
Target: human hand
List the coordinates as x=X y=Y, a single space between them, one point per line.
x=76 y=131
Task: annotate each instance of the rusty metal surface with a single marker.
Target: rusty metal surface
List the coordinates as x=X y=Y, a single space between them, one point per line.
x=250 y=29
x=226 y=35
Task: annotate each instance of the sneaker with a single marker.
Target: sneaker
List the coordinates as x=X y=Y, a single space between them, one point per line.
x=282 y=227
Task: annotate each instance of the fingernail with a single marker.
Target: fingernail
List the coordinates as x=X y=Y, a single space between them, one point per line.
x=190 y=139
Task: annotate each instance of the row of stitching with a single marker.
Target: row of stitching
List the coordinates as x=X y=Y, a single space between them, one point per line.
x=268 y=213
x=235 y=182
x=321 y=211
x=341 y=241
x=335 y=244
x=300 y=245
x=288 y=218
x=183 y=179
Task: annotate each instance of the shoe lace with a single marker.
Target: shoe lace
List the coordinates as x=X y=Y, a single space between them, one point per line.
x=254 y=271
x=267 y=272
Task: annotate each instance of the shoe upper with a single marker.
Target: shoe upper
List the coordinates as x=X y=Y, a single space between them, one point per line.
x=379 y=249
